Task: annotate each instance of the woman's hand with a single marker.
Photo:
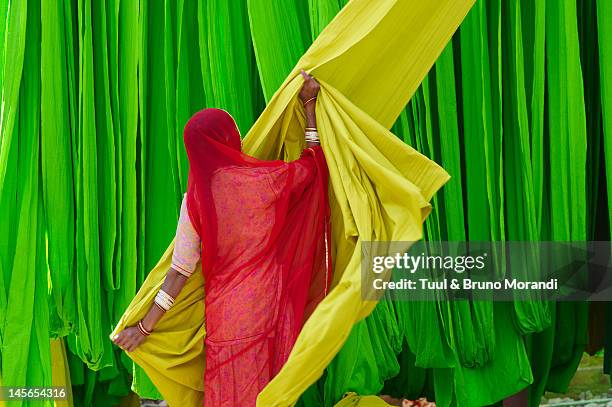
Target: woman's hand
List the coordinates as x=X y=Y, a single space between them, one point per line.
x=310 y=88
x=308 y=93
x=129 y=338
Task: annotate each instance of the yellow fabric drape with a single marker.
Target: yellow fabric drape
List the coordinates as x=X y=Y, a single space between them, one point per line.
x=60 y=375
x=354 y=400
x=369 y=61
x=173 y=355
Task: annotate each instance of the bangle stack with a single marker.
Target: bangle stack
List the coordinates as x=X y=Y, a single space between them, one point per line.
x=164 y=300
x=142 y=329
x=312 y=136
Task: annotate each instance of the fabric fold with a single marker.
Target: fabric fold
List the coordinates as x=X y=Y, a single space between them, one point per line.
x=173 y=356
x=373 y=198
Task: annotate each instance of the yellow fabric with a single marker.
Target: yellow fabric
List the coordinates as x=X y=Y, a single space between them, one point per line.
x=132 y=400
x=369 y=60
x=2 y=402
x=173 y=355
x=60 y=374
x=353 y=400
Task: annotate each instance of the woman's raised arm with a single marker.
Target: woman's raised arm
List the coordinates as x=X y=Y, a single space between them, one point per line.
x=308 y=96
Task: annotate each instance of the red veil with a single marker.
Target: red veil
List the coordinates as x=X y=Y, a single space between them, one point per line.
x=264 y=227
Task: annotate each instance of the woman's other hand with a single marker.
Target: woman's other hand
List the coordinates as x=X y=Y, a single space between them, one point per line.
x=310 y=88
x=129 y=339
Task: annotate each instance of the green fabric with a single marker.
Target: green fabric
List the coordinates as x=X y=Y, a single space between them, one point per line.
x=57 y=186
x=567 y=122
x=25 y=323
x=280 y=37
x=604 y=30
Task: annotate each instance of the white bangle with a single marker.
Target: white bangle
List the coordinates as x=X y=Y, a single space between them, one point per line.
x=166 y=295
x=163 y=303
x=164 y=300
x=312 y=136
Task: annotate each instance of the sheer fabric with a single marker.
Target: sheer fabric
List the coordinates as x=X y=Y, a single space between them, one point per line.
x=265 y=253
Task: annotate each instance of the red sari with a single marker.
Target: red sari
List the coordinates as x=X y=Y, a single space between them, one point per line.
x=264 y=227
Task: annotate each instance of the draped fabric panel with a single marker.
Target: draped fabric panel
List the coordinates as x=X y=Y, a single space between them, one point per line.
x=604 y=57
x=92 y=168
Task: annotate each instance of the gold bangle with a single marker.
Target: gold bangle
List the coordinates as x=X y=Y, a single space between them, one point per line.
x=142 y=329
x=309 y=100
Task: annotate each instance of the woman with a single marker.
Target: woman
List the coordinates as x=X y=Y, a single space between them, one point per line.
x=261 y=231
